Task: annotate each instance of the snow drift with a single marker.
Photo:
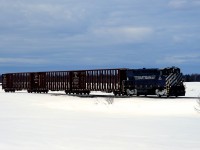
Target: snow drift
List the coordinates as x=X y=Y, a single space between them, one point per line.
x=58 y=121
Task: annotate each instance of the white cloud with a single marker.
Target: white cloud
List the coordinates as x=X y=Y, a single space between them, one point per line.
x=25 y=61
x=55 y=12
x=102 y=36
x=177 y=3
x=182 y=38
x=180 y=59
x=41 y=13
x=123 y=34
x=184 y=4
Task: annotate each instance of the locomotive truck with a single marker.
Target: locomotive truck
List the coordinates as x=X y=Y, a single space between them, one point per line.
x=123 y=81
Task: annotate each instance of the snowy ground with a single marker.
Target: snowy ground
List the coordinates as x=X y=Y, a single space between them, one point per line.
x=56 y=121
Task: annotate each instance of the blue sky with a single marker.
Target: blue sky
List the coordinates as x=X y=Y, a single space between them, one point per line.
x=42 y=35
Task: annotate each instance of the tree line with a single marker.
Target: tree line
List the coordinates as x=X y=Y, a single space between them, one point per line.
x=187 y=78
x=191 y=77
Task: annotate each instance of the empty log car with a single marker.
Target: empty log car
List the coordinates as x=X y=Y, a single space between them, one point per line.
x=161 y=82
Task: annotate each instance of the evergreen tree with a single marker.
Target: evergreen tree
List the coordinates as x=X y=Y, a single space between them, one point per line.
x=192 y=78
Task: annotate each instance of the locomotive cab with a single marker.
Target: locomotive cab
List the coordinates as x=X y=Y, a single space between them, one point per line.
x=173 y=81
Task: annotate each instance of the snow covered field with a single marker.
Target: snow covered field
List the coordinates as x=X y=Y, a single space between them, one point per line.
x=56 y=121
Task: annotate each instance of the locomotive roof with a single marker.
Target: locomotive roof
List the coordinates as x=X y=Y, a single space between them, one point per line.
x=71 y=70
x=140 y=69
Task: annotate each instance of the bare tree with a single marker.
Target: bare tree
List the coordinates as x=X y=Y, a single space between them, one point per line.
x=197 y=108
x=110 y=100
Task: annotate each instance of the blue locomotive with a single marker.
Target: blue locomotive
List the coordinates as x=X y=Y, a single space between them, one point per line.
x=160 y=82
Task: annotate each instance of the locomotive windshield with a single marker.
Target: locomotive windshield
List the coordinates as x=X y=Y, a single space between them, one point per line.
x=168 y=71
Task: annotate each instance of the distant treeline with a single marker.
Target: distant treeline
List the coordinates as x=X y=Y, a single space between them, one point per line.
x=187 y=78
x=191 y=77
